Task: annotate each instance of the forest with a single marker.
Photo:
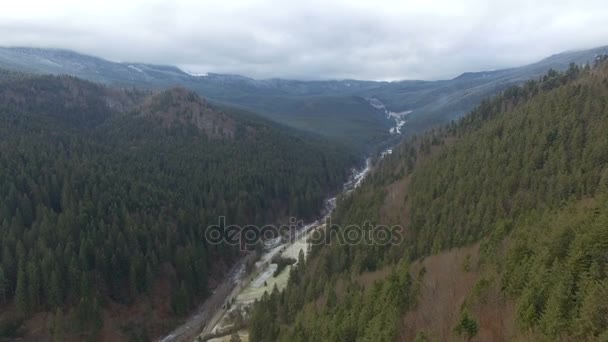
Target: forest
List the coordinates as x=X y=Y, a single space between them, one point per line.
x=524 y=176
x=105 y=195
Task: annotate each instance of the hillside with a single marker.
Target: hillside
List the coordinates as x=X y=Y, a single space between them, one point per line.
x=105 y=196
x=502 y=225
x=302 y=105
x=338 y=109
x=179 y=107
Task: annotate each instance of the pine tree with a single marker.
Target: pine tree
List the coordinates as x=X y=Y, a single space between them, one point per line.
x=467 y=326
x=3 y=285
x=33 y=285
x=58 y=325
x=180 y=300
x=21 y=298
x=55 y=290
x=554 y=315
x=301 y=260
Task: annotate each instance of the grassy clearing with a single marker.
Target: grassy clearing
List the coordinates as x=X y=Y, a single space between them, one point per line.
x=293 y=250
x=256 y=289
x=265 y=281
x=243 y=334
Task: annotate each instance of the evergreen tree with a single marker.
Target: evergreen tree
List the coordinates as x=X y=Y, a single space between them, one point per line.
x=3 y=285
x=21 y=296
x=467 y=326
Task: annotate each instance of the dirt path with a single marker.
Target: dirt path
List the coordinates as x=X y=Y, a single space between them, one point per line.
x=195 y=323
x=213 y=309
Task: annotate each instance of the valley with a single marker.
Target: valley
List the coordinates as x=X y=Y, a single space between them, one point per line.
x=210 y=323
x=114 y=175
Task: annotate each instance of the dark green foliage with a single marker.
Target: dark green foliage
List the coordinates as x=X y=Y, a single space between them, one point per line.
x=556 y=268
x=281 y=264
x=357 y=315
x=519 y=159
x=3 y=285
x=526 y=173
x=10 y=328
x=21 y=297
x=531 y=148
x=97 y=203
x=467 y=326
x=421 y=337
x=58 y=325
x=180 y=301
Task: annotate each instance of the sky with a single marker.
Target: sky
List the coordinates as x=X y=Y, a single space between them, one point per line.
x=312 y=39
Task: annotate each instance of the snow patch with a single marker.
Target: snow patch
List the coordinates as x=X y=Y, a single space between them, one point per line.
x=135 y=68
x=386 y=153
x=361 y=175
x=259 y=282
x=196 y=74
x=48 y=61
x=397 y=117
x=376 y=103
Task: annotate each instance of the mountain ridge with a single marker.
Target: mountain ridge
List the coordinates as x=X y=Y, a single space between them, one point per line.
x=578 y=53
x=330 y=107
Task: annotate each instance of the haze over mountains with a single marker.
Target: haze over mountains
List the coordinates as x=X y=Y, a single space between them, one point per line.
x=338 y=109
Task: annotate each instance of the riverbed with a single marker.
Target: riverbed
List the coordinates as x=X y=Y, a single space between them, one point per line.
x=251 y=288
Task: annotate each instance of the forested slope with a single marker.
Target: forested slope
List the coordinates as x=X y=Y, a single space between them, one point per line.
x=105 y=195
x=525 y=174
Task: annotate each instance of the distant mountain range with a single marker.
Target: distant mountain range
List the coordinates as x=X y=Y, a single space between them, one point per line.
x=340 y=109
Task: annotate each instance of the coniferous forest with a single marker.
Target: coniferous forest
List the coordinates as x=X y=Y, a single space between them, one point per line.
x=304 y=171
x=523 y=179
x=105 y=195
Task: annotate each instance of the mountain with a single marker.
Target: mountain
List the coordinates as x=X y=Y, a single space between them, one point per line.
x=497 y=229
x=178 y=106
x=339 y=109
x=106 y=195
x=298 y=104
x=438 y=102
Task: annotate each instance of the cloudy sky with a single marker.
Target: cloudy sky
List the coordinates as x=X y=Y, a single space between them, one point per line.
x=379 y=39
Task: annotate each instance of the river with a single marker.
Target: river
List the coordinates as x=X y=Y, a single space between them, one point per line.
x=211 y=312
x=215 y=307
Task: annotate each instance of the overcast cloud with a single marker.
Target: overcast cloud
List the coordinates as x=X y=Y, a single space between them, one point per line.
x=379 y=40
